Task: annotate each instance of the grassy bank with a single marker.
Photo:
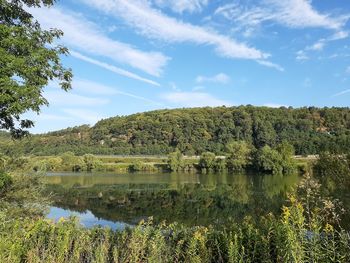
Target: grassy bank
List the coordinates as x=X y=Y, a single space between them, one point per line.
x=292 y=237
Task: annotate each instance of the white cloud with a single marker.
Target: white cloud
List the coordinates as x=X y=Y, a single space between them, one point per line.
x=86 y=36
x=221 y=78
x=193 y=99
x=291 y=13
x=154 y=24
x=270 y=65
x=318 y=46
x=181 y=6
x=339 y=35
x=83 y=114
x=91 y=87
x=301 y=55
x=113 y=68
x=341 y=93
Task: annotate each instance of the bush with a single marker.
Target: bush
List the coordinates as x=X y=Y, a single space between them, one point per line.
x=5 y=181
x=175 y=161
x=207 y=160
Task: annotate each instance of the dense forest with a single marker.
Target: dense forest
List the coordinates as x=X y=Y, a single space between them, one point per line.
x=196 y=130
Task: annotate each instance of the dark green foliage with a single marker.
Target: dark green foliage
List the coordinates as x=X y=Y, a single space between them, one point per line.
x=207 y=160
x=194 y=131
x=91 y=162
x=28 y=61
x=279 y=161
x=22 y=195
x=239 y=155
x=5 y=182
x=333 y=171
x=175 y=161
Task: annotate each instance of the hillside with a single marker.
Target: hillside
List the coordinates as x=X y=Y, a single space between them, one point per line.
x=194 y=130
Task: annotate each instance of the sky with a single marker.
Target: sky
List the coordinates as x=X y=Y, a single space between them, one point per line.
x=130 y=56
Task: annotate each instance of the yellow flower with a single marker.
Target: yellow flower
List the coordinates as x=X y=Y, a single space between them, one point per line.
x=328 y=228
x=286 y=213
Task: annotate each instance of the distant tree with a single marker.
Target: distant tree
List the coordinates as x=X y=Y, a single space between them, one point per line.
x=91 y=162
x=287 y=152
x=220 y=164
x=207 y=160
x=269 y=160
x=175 y=161
x=28 y=61
x=333 y=171
x=238 y=155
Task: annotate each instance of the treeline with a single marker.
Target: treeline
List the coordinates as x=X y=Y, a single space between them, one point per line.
x=197 y=130
x=238 y=157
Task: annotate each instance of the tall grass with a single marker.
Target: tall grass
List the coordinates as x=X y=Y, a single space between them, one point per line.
x=289 y=238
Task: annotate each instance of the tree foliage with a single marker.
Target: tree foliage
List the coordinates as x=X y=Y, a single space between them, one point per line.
x=207 y=160
x=175 y=161
x=238 y=155
x=29 y=60
x=194 y=131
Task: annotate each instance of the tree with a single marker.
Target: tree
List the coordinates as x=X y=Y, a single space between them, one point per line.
x=28 y=61
x=175 y=161
x=91 y=162
x=239 y=155
x=207 y=160
x=287 y=152
x=269 y=160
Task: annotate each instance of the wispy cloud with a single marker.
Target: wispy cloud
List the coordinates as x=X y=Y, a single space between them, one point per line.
x=85 y=115
x=87 y=86
x=341 y=93
x=61 y=98
x=193 y=99
x=301 y=55
x=318 y=46
x=86 y=36
x=180 y=6
x=221 y=78
x=291 y=13
x=52 y=117
x=154 y=24
x=112 y=68
x=270 y=65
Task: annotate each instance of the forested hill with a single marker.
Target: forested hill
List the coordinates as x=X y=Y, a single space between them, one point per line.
x=196 y=130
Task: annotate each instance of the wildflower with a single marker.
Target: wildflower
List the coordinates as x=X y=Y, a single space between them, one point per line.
x=328 y=228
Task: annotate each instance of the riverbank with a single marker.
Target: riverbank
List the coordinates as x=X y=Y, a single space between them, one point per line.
x=119 y=163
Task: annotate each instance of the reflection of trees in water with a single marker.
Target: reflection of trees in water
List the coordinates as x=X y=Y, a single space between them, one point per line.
x=217 y=199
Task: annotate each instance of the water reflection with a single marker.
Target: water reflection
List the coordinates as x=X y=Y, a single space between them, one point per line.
x=192 y=199
x=86 y=218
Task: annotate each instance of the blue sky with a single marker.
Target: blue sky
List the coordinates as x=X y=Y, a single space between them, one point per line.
x=140 y=55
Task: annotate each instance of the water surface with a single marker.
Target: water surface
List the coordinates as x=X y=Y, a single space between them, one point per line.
x=119 y=200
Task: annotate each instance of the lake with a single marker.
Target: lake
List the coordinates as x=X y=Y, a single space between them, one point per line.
x=121 y=200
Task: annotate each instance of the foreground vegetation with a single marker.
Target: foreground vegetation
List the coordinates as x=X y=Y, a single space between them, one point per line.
x=307 y=231
x=194 y=131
